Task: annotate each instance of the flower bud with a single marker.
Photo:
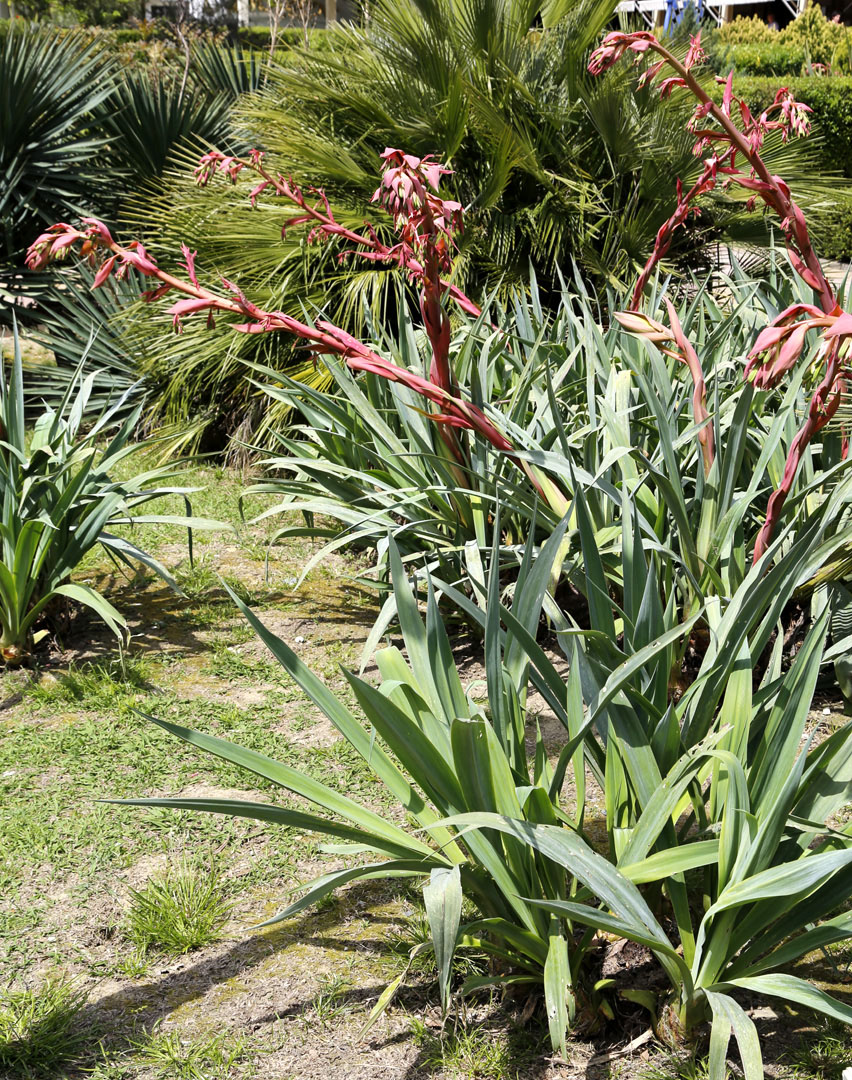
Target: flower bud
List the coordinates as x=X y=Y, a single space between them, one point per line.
x=635 y=322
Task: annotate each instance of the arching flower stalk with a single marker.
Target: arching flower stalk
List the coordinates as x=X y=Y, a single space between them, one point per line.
x=732 y=138
x=426 y=224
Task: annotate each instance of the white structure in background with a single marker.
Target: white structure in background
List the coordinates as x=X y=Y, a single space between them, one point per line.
x=246 y=16
x=653 y=11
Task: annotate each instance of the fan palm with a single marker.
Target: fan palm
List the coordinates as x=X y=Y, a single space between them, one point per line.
x=49 y=86
x=147 y=117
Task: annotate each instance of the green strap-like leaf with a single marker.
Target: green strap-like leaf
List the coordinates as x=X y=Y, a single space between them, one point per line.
x=727 y=1014
x=442 y=897
x=557 y=987
x=792 y=988
x=278 y=815
x=300 y=784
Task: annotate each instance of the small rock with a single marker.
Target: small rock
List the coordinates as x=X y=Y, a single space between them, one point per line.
x=299 y=640
x=827 y=712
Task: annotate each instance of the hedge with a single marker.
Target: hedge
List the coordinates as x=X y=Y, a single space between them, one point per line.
x=252 y=37
x=831 y=101
x=761 y=58
x=289 y=37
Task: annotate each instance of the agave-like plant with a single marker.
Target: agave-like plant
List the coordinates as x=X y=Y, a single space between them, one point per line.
x=367 y=457
x=230 y=70
x=58 y=501
x=760 y=806
x=441 y=752
x=718 y=784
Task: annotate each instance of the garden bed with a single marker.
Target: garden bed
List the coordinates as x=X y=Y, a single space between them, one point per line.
x=285 y=1001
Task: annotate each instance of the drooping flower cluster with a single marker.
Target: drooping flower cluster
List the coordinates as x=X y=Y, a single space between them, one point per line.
x=229 y=165
x=407 y=254
x=57 y=241
x=780 y=345
x=733 y=139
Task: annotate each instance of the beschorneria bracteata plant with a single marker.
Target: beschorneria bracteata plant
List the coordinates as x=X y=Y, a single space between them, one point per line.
x=426 y=225
x=731 y=138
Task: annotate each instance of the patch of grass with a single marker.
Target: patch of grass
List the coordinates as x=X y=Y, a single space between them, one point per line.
x=342 y=767
x=823 y=1057
x=201 y=583
x=183 y=909
x=52 y=776
x=415 y=931
x=228 y=664
x=466 y=1053
x=839 y=958
x=170 y=1057
x=111 y=1070
x=669 y=1066
x=37 y=1033
x=129 y=965
x=103 y=686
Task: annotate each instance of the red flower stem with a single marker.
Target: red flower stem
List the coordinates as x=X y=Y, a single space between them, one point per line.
x=775 y=197
x=662 y=245
x=456 y=412
x=687 y=354
x=824 y=404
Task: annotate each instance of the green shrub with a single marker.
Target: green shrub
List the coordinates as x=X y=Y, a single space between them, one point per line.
x=745 y=30
x=725 y=764
x=366 y=457
x=439 y=752
x=148 y=119
x=555 y=170
x=819 y=35
x=833 y=229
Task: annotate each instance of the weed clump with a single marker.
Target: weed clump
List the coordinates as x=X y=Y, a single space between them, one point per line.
x=38 y=1035
x=184 y=909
